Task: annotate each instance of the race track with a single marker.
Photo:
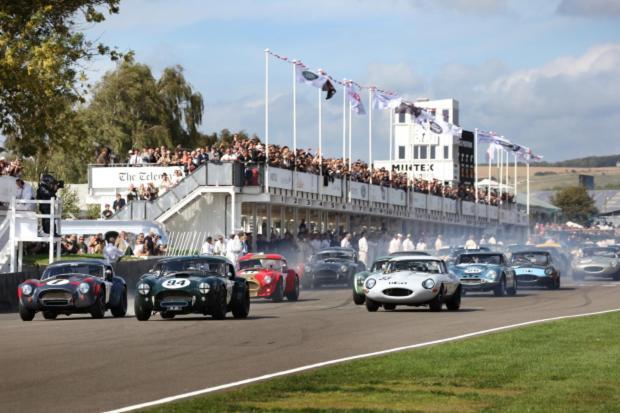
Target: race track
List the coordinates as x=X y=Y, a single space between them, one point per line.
x=79 y=364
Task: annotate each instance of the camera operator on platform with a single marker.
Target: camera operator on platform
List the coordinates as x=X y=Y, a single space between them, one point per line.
x=48 y=188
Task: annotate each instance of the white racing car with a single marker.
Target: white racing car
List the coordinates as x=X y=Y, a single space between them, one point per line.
x=413 y=281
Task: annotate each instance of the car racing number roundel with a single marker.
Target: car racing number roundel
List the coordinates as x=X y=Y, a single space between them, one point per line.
x=175 y=283
x=60 y=281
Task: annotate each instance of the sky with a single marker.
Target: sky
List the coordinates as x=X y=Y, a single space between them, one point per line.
x=545 y=74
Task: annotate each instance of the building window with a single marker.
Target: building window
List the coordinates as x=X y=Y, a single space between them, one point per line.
x=433 y=148
x=446 y=115
x=401 y=152
x=416 y=151
x=446 y=152
x=423 y=151
x=455 y=117
x=401 y=117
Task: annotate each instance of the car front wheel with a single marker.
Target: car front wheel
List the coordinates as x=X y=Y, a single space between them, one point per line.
x=278 y=294
x=143 y=313
x=98 y=308
x=454 y=303
x=358 y=298
x=294 y=295
x=219 y=308
x=241 y=307
x=121 y=309
x=437 y=303
x=500 y=290
x=26 y=314
x=371 y=305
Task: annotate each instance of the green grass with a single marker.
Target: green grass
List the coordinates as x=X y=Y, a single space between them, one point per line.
x=43 y=259
x=564 y=366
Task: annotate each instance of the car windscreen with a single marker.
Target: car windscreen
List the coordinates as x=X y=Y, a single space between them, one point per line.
x=332 y=255
x=415 y=265
x=530 y=258
x=378 y=265
x=480 y=259
x=599 y=252
x=260 y=263
x=73 y=268
x=216 y=267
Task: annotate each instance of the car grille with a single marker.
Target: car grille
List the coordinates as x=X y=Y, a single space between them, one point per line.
x=55 y=298
x=470 y=280
x=527 y=278
x=397 y=292
x=325 y=274
x=254 y=287
x=174 y=299
x=593 y=269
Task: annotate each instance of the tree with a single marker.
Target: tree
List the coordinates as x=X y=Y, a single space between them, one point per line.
x=576 y=204
x=42 y=72
x=130 y=108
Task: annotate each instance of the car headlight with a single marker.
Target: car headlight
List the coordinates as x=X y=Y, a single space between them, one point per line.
x=83 y=288
x=144 y=288
x=267 y=279
x=204 y=288
x=343 y=268
x=428 y=283
x=491 y=274
x=27 y=289
x=370 y=283
x=614 y=263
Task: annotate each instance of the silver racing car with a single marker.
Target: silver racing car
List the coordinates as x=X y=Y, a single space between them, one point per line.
x=598 y=262
x=413 y=281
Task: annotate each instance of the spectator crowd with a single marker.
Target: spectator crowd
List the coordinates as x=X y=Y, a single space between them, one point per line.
x=251 y=152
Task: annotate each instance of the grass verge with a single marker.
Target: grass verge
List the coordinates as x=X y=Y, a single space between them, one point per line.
x=565 y=366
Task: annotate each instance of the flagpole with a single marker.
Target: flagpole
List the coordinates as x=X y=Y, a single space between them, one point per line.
x=344 y=120
x=476 y=163
x=501 y=173
x=489 y=181
x=516 y=174
x=350 y=133
x=390 y=135
x=527 y=171
x=294 y=127
x=370 y=132
x=320 y=144
x=266 y=120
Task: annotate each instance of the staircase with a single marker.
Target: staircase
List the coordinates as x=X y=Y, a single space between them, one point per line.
x=224 y=174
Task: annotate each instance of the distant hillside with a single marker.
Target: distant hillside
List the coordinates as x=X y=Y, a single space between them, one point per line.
x=587 y=162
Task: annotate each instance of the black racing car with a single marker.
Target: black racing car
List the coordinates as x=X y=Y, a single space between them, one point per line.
x=333 y=265
x=69 y=287
x=196 y=284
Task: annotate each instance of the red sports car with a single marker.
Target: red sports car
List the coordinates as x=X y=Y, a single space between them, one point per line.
x=268 y=276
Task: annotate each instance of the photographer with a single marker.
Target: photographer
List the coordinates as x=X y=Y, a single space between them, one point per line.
x=48 y=187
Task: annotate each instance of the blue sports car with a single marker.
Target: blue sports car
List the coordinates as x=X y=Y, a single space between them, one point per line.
x=536 y=267
x=485 y=271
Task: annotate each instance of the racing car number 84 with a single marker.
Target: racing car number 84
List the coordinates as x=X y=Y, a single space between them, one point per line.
x=175 y=283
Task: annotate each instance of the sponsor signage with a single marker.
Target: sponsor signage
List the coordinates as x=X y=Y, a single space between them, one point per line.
x=123 y=176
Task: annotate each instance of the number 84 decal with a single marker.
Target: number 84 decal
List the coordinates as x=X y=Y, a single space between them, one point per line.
x=175 y=283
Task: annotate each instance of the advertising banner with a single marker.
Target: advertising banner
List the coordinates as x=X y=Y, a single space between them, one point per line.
x=123 y=176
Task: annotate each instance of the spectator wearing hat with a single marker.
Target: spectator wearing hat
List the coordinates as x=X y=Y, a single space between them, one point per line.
x=408 y=244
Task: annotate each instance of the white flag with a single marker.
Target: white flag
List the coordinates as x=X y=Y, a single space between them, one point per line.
x=382 y=101
x=318 y=80
x=355 y=99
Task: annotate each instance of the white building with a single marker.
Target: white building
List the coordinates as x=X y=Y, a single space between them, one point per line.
x=422 y=153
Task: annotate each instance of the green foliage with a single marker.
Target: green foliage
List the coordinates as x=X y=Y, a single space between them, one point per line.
x=70 y=203
x=132 y=109
x=576 y=204
x=565 y=366
x=42 y=73
x=93 y=211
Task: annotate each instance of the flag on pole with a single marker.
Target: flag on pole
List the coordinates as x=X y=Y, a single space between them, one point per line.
x=491 y=152
x=355 y=99
x=318 y=80
x=382 y=101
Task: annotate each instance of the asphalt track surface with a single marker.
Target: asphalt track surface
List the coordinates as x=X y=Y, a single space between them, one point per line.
x=77 y=364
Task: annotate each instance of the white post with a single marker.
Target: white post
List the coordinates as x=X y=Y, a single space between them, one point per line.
x=294 y=109
x=232 y=210
x=320 y=145
x=489 y=181
x=52 y=208
x=266 y=120
x=12 y=241
x=501 y=172
x=516 y=175
x=527 y=171
x=350 y=134
x=476 y=164
x=390 y=114
x=344 y=120
x=58 y=213
x=370 y=89
x=20 y=256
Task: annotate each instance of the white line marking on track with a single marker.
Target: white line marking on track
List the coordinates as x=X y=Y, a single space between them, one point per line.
x=344 y=359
